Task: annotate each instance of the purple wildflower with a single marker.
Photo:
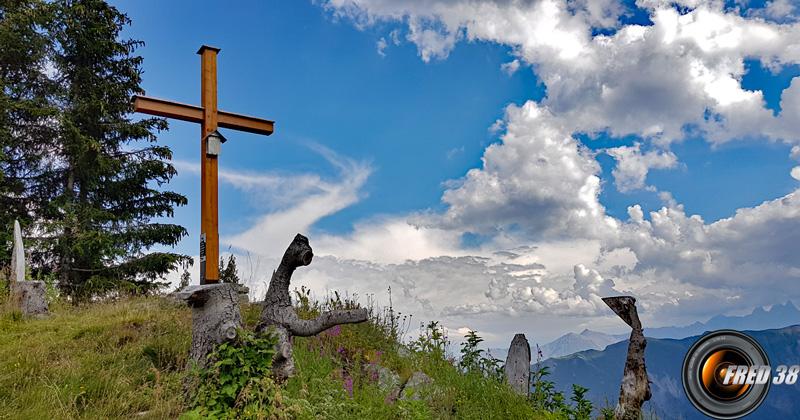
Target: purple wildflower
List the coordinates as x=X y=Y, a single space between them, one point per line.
x=348 y=385
x=335 y=331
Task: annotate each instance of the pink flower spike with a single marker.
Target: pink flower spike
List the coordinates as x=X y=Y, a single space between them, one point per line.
x=348 y=385
x=335 y=331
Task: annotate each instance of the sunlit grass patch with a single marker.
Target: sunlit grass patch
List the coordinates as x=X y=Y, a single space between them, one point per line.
x=105 y=360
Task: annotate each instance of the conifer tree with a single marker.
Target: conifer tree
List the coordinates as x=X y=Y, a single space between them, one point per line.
x=229 y=273
x=109 y=174
x=26 y=113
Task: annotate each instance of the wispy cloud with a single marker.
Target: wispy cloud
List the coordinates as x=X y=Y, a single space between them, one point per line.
x=292 y=203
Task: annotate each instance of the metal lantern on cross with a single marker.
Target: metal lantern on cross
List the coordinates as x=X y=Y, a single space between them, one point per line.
x=214 y=142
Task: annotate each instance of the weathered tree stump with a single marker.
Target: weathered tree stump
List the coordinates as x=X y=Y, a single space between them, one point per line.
x=279 y=314
x=215 y=317
x=518 y=365
x=635 y=388
x=30 y=297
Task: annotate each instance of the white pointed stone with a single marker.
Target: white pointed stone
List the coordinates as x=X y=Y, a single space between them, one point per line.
x=18 y=255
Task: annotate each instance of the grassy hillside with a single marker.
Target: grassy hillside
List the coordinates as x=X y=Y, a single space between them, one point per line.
x=126 y=359
x=108 y=360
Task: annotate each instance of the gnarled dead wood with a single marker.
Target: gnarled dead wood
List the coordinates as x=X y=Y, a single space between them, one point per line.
x=279 y=314
x=635 y=388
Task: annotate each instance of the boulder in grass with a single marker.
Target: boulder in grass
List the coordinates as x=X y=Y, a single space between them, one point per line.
x=386 y=378
x=415 y=385
x=30 y=296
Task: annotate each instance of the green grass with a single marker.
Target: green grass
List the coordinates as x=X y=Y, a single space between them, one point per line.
x=322 y=360
x=126 y=359
x=107 y=360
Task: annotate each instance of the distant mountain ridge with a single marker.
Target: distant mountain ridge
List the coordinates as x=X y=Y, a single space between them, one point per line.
x=777 y=316
x=568 y=344
x=571 y=343
x=601 y=372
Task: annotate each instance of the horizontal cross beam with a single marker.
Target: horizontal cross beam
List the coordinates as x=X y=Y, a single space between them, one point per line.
x=191 y=113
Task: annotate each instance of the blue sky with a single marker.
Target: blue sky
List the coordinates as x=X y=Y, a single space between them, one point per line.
x=323 y=81
x=420 y=124
x=450 y=139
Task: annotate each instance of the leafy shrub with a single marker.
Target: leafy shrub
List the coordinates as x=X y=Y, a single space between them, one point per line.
x=432 y=340
x=583 y=407
x=238 y=383
x=545 y=397
x=607 y=413
x=228 y=273
x=473 y=360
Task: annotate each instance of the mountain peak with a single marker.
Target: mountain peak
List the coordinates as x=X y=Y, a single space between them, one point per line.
x=778 y=316
x=787 y=306
x=574 y=342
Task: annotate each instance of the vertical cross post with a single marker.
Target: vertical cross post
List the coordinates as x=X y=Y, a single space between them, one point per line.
x=209 y=216
x=210 y=118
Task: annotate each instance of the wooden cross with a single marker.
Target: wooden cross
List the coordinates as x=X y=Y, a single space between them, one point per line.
x=209 y=118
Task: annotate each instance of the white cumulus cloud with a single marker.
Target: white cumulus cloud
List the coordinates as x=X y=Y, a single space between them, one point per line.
x=552 y=251
x=633 y=165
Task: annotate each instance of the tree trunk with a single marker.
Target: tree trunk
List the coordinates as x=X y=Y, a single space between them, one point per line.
x=635 y=387
x=279 y=314
x=65 y=256
x=215 y=317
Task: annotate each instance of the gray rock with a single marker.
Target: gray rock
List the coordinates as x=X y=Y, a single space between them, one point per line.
x=215 y=317
x=387 y=379
x=518 y=365
x=31 y=298
x=414 y=386
x=403 y=351
x=244 y=294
